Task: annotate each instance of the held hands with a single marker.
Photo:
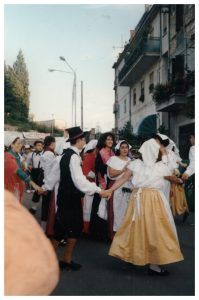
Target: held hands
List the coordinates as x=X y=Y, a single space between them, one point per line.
x=105 y=194
x=185 y=176
x=37 y=188
x=174 y=179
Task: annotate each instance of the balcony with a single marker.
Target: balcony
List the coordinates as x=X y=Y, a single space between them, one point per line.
x=173 y=95
x=172 y=104
x=143 y=56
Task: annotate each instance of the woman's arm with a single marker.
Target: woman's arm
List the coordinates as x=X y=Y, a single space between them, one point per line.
x=121 y=181
x=174 y=179
x=114 y=173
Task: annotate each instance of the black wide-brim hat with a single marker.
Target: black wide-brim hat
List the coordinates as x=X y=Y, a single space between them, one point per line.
x=75 y=133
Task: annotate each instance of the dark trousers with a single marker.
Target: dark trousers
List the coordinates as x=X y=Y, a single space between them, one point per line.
x=45 y=206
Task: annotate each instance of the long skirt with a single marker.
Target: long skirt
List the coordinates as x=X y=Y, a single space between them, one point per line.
x=147 y=234
x=178 y=200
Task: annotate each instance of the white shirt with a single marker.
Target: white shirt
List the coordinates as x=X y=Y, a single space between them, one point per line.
x=53 y=177
x=80 y=181
x=118 y=164
x=33 y=159
x=46 y=162
x=191 y=168
x=61 y=145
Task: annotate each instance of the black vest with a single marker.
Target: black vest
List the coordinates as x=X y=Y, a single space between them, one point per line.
x=68 y=194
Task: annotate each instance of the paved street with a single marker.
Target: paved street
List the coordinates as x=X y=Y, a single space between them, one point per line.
x=104 y=275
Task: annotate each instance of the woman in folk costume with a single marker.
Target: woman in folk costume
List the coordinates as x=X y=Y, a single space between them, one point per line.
x=172 y=158
x=117 y=165
x=147 y=234
x=15 y=179
x=99 y=226
x=88 y=168
x=47 y=160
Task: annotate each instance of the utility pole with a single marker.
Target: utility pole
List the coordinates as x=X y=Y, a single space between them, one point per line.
x=82 y=112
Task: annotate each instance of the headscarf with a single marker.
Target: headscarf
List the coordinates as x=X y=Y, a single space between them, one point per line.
x=91 y=145
x=171 y=143
x=9 y=137
x=117 y=147
x=149 y=151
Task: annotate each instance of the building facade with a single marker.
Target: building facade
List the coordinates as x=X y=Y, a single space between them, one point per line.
x=160 y=53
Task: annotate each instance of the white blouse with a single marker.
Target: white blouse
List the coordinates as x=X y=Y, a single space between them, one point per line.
x=118 y=164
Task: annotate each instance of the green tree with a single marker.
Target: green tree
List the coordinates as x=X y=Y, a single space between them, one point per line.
x=21 y=72
x=126 y=133
x=16 y=85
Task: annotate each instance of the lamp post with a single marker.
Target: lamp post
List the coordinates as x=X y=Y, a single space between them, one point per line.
x=74 y=85
x=55 y=70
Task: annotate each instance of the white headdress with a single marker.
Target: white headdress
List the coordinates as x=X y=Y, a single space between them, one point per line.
x=149 y=151
x=171 y=143
x=117 y=147
x=9 y=137
x=91 y=145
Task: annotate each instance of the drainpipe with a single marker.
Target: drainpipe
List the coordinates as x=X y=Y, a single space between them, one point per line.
x=169 y=76
x=130 y=105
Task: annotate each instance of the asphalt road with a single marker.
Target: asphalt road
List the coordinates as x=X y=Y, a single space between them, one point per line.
x=103 y=275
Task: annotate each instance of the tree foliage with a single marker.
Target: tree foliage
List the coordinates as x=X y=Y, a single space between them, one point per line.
x=127 y=134
x=16 y=87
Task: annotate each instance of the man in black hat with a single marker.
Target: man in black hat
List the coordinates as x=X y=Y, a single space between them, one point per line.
x=73 y=185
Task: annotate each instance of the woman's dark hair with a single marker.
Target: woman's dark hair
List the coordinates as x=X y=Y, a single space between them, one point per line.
x=49 y=140
x=102 y=140
x=165 y=143
x=117 y=152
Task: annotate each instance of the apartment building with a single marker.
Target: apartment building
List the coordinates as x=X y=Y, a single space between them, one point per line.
x=160 y=52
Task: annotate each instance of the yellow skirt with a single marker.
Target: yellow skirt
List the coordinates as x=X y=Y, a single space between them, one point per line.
x=178 y=200
x=150 y=238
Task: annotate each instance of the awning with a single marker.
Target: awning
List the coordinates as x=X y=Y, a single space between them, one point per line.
x=148 y=126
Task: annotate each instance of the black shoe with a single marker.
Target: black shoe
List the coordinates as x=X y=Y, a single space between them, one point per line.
x=162 y=272
x=72 y=266
x=33 y=210
x=185 y=216
x=62 y=243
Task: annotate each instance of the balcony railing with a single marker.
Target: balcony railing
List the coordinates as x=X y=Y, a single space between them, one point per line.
x=146 y=47
x=174 y=94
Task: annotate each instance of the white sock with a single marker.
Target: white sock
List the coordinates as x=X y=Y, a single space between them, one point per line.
x=155 y=268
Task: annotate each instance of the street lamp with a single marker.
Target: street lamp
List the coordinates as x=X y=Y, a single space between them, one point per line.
x=74 y=83
x=55 y=70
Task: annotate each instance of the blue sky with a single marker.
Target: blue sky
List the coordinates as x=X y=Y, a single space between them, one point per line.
x=85 y=35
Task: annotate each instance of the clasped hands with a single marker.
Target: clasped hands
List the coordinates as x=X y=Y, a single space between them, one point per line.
x=106 y=194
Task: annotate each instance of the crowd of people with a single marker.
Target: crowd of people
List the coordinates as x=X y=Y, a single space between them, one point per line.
x=101 y=190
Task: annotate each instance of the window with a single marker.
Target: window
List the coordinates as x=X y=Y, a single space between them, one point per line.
x=151 y=32
x=179 y=17
x=158 y=76
x=134 y=96
x=142 y=87
x=178 y=67
x=124 y=106
x=142 y=91
x=151 y=82
x=165 y=18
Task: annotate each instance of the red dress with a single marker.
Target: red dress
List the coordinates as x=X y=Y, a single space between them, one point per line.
x=12 y=182
x=88 y=165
